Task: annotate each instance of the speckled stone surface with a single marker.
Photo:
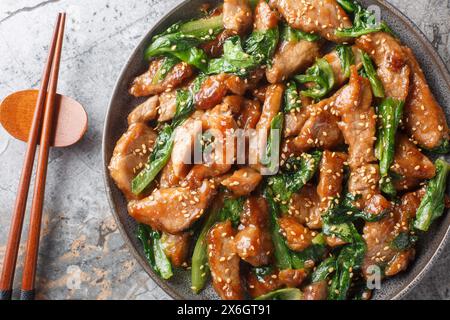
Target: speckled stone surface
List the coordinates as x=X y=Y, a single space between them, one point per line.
x=82 y=253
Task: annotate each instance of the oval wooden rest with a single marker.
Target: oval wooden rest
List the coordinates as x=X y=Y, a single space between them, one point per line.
x=16 y=115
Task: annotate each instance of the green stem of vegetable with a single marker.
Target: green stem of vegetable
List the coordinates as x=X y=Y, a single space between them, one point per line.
x=294 y=35
x=322 y=76
x=327 y=267
x=433 y=203
x=200 y=268
x=375 y=82
x=347 y=58
x=167 y=64
x=390 y=112
x=157 y=160
x=282 y=294
x=291 y=98
x=272 y=155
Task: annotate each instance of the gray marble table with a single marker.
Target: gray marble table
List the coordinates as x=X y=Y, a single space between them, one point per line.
x=82 y=253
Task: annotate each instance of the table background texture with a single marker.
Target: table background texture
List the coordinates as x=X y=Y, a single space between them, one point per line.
x=82 y=253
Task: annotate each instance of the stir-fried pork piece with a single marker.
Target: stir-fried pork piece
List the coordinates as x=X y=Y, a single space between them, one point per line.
x=259 y=285
x=145 y=84
x=292 y=278
x=320 y=17
x=211 y=92
x=265 y=18
x=379 y=236
x=168 y=178
x=237 y=16
x=424 y=118
x=250 y=114
x=176 y=247
x=130 y=155
x=243 y=181
x=321 y=131
x=173 y=210
x=234 y=102
x=220 y=123
x=411 y=164
x=363 y=181
x=167 y=106
x=294 y=121
x=185 y=136
x=331 y=177
x=391 y=61
x=253 y=241
x=297 y=236
x=316 y=291
x=292 y=58
x=145 y=111
x=224 y=262
x=271 y=107
x=305 y=207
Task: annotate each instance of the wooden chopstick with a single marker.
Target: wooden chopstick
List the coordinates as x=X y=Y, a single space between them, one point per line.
x=12 y=246
x=32 y=248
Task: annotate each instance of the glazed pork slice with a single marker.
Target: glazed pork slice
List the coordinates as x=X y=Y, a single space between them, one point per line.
x=424 y=118
x=249 y=114
x=305 y=207
x=130 y=155
x=253 y=241
x=243 y=181
x=391 y=61
x=167 y=106
x=298 y=237
x=379 y=236
x=145 y=85
x=292 y=57
x=224 y=262
x=176 y=247
x=260 y=285
x=316 y=291
x=319 y=17
x=173 y=210
x=237 y=16
x=336 y=65
x=331 y=177
x=411 y=164
x=265 y=17
x=145 y=111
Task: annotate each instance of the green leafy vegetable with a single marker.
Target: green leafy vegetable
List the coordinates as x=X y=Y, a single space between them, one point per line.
x=185 y=101
x=444 y=147
x=327 y=267
x=231 y=210
x=271 y=156
x=157 y=160
x=375 y=82
x=321 y=76
x=348 y=261
x=433 y=203
x=153 y=250
x=291 y=98
x=234 y=60
x=167 y=64
x=314 y=252
x=347 y=58
x=403 y=241
x=199 y=265
x=290 y=35
x=364 y=21
x=181 y=41
x=262 y=44
x=282 y=294
x=390 y=112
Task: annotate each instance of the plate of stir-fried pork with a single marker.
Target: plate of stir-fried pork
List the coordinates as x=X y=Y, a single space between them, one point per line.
x=281 y=149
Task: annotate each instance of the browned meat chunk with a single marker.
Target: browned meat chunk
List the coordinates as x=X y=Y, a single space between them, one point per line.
x=379 y=236
x=265 y=18
x=243 y=181
x=391 y=61
x=214 y=48
x=336 y=64
x=411 y=164
x=167 y=106
x=130 y=155
x=250 y=114
x=291 y=58
x=144 y=112
x=211 y=93
x=320 y=17
x=363 y=181
x=297 y=236
x=257 y=287
x=253 y=241
x=168 y=178
x=316 y=291
x=294 y=121
x=145 y=84
x=292 y=278
x=424 y=118
x=176 y=247
x=237 y=15
x=173 y=210
x=331 y=177
x=224 y=262
x=305 y=207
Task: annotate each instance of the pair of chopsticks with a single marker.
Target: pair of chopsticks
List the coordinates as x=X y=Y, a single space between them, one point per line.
x=41 y=131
